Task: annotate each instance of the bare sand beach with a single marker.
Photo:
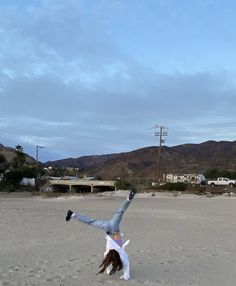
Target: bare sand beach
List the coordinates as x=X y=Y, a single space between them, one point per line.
x=175 y=241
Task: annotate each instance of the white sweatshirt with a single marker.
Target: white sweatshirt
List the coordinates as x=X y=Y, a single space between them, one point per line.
x=111 y=244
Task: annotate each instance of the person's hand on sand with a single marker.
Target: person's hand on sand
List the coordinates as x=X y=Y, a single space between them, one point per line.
x=124 y=277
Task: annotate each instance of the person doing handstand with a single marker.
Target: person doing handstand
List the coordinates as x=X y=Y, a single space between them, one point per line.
x=115 y=256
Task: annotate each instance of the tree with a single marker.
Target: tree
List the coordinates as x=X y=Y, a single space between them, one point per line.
x=20 y=158
x=215 y=173
x=2 y=159
x=14 y=177
x=3 y=164
x=19 y=149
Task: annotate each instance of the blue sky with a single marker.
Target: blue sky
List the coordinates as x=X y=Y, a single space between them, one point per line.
x=83 y=77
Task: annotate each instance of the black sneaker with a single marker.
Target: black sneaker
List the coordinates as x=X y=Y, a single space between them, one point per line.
x=132 y=193
x=69 y=214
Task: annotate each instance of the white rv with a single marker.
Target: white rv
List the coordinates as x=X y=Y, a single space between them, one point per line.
x=185 y=178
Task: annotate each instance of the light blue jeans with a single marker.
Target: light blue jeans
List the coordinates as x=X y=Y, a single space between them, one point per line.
x=109 y=226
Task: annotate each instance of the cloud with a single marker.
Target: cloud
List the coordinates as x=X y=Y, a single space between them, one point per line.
x=66 y=83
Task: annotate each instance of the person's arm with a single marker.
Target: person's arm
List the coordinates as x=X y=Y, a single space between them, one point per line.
x=126 y=268
x=123 y=255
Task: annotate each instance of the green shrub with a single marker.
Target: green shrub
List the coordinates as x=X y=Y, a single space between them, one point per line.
x=14 y=177
x=29 y=172
x=180 y=187
x=3 y=186
x=215 y=173
x=122 y=185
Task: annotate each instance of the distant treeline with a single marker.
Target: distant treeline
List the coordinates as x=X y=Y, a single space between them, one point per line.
x=215 y=173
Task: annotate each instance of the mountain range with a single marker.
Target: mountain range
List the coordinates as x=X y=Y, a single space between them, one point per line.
x=142 y=163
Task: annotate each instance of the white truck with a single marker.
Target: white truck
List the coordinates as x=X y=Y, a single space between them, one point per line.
x=222 y=181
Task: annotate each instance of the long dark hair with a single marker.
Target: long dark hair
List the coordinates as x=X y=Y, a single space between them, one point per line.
x=113 y=258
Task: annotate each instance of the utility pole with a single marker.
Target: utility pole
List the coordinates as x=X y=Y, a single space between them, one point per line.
x=37 y=160
x=161 y=133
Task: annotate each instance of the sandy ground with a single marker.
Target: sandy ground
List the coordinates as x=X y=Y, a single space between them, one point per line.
x=183 y=240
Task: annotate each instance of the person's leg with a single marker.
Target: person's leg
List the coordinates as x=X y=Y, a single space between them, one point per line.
x=110 y=226
x=117 y=217
x=101 y=224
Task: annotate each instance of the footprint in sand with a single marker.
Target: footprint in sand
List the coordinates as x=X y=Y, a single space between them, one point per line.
x=56 y=277
x=73 y=259
x=5 y=283
x=33 y=272
x=15 y=267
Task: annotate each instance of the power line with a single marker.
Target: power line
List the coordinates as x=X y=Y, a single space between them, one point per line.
x=209 y=125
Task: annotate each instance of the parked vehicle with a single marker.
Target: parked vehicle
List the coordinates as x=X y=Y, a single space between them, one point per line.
x=222 y=181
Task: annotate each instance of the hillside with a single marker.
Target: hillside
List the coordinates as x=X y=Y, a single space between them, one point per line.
x=9 y=154
x=185 y=158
